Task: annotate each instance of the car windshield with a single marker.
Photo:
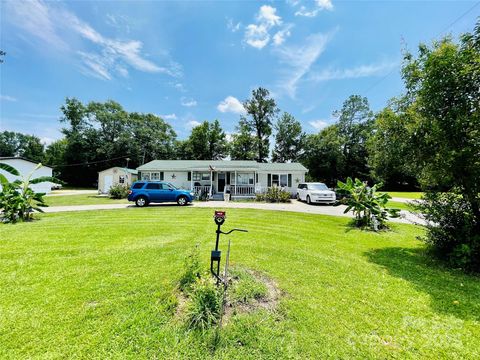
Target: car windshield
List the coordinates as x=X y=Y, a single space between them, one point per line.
x=318 y=186
x=172 y=186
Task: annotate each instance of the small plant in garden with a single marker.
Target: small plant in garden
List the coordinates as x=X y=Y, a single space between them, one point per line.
x=245 y=288
x=277 y=194
x=205 y=305
x=118 y=191
x=17 y=200
x=368 y=206
x=192 y=270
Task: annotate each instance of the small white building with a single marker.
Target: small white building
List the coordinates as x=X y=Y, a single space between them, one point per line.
x=114 y=176
x=25 y=167
x=238 y=177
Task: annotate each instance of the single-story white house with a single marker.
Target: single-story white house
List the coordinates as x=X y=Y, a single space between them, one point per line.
x=216 y=177
x=25 y=167
x=114 y=176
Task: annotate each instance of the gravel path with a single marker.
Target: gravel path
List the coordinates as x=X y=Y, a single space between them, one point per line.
x=295 y=206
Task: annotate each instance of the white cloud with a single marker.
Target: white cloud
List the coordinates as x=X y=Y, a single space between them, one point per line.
x=49 y=22
x=318 y=124
x=258 y=34
x=268 y=16
x=188 y=102
x=313 y=11
x=7 y=98
x=353 y=73
x=231 y=104
x=232 y=26
x=193 y=123
x=47 y=140
x=299 y=60
x=281 y=35
x=169 y=117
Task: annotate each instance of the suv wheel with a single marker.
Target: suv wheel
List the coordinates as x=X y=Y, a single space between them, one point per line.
x=141 y=201
x=298 y=196
x=308 y=200
x=182 y=200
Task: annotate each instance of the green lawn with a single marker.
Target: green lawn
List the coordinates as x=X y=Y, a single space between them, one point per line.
x=406 y=194
x=84 y=199
x=100 y=284
x=400 y=205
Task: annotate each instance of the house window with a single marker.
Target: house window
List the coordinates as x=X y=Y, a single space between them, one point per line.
x=245 y=179
x=121 y=179
x=198 y=176
x=146 y=176
x=206 y=176
x=282 y=180
x=154 y=176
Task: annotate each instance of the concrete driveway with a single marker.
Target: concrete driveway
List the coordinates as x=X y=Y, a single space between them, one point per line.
x=295 y=206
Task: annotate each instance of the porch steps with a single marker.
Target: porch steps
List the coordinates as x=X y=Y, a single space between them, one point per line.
x=217 y=197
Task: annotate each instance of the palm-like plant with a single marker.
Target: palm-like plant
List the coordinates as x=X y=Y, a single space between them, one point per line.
x=17 y=199
x=368 y=206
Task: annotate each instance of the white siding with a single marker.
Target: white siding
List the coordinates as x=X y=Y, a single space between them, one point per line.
x=115 y=173
x=24 y=168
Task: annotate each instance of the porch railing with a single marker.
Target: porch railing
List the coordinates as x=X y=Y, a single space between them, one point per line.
x=202 y=189
x=242 y=190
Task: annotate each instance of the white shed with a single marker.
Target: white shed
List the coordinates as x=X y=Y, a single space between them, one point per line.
x=114 y=176
x=25 y=167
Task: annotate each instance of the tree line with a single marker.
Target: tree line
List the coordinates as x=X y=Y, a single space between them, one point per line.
x=100 y=135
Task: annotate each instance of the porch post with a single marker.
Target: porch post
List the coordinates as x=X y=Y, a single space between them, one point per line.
x=211 y=183
x=235 y=182
x=191 y=181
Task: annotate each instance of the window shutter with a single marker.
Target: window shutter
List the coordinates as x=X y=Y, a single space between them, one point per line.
x=213 y=176
x=161 y=175
x=269 y=180
x=256 y=178
x=289 y=180
x=139 y=175
x=189 y=176
x=228 y=178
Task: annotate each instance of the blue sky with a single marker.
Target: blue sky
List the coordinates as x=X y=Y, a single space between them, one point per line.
x=195 y=61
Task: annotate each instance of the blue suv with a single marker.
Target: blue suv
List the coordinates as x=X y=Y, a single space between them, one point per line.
x=145 y=192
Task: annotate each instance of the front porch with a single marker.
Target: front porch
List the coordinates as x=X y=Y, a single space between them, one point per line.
x=215 y=184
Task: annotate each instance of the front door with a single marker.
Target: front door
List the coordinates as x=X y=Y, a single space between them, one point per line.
x=221 y=182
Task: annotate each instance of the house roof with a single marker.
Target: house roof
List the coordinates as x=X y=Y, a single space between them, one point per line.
x=179 y=165
x=21 y=158
x=130 y=171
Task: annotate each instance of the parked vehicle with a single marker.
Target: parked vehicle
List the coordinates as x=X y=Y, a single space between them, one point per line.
x=146 y=192
x=56 y=186
x=315 y=193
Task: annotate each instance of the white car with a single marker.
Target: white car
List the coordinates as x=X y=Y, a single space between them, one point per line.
x=317 y=193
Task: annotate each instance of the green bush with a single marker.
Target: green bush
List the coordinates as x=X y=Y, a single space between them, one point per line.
x=366 y=204
x=260 y=197
x=451 y=232
x=205 y=304
x=118 y=191
x=192 y=270
x=277 y=194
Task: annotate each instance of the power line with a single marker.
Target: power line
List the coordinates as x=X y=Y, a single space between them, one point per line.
x=89 y=162
x=445 y=29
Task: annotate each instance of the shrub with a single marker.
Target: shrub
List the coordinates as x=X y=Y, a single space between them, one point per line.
x=118 y=191
x=192 y=270
x=205 y=304
x=260 y=197
x=277 y=194
x=451 y=229
x=366 y=204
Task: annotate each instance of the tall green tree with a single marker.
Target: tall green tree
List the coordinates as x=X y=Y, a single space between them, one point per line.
x=261 y=111
x=207 y=141
x=18 y=144
x=289 y=139
x=323 y=155
x=242 y=146
x=443 y=87
x=355 y=122
x=390 y=147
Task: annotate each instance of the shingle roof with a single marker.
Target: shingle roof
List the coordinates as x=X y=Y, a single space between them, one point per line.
x=219 y=164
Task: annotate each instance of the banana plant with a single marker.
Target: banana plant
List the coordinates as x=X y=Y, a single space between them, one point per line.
x=368 y=206
x=17 y=200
